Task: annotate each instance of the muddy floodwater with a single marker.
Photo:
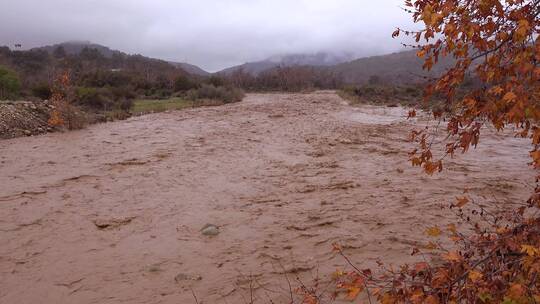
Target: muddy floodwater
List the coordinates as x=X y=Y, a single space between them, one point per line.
x=113 y=213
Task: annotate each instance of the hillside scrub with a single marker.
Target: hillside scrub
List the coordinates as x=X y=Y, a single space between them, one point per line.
x=9 y=84
x=225 y=94
x=286 y=79
x=92 y=68
x=42 y=91
x=103 y=84
x=378 y=92
x=145 y=106
x=104 y=99
x=382 y=95
x=183 y=83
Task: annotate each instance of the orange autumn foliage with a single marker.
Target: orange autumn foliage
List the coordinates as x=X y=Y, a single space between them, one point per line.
x=498 y=43
x=58 y=99
x=64 y=113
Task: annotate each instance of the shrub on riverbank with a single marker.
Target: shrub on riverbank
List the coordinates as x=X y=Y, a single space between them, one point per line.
x=382 y=95
x=224 y=94
x=10 y=85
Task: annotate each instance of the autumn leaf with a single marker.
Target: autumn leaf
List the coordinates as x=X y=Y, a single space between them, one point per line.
x=428 y=64
x=431 y=300
x=496 y=90
x=417 y=296
x=509 y=97
x=470 y=102
x=452 y=256
x=474 y=275
x=388 y=299
x=426 y=14
x=452 y=228
x=535 y=155
x=440 y=278
x=530 y=250
x=536 y=136
x=431 y=167
x=353 y=292
x=501 y=230
x=485 y=297
x=336 y=247
x=434 y=231
x=56 y=119
x=338 y=274
x=431 y=246
x=419 y=267
x=309 y=299
x=461 y=201
x=521 y=32
x=516 y=291
x=366 y=273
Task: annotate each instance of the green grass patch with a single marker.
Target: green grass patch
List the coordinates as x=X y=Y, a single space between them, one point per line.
x=143 y=106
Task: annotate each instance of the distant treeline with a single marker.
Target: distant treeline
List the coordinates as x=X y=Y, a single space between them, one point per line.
x=292 y=79
x=140 y=75
x=106 y=80
x=102 y=82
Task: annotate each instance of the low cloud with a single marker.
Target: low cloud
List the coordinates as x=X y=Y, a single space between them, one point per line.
x=213 y=34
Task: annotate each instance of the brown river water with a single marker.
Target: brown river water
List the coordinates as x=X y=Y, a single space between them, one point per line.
x=113 y=213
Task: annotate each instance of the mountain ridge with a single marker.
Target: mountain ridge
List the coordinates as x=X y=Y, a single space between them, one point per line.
x=398 y=67
x=320 y=59
x=76 y=47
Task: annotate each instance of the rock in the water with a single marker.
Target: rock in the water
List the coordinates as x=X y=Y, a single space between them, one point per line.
x=345 y=141
x=153 y=268
x=186 y=277
x=103 y=224
x=210 y=230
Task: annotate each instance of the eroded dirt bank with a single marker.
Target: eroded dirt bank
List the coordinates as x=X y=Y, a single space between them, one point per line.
x=24 y=118
x=112 y=214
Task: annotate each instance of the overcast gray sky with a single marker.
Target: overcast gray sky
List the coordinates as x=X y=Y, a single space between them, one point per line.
x=212 y=34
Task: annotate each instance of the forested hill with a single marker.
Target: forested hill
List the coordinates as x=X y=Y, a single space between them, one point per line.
x=396 y=68
x=91 y=66
x=76 y=47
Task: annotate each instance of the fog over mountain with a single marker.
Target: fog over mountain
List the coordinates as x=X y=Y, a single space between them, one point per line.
x=317 y=60
x=212 y=34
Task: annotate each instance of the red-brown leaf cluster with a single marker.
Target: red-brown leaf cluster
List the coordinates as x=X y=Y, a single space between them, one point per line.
x=498 y=260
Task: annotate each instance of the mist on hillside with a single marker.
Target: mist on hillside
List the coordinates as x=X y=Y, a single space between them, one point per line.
x=211 y=34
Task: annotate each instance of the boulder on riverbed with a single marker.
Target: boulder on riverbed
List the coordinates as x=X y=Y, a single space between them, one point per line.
x=210 y=230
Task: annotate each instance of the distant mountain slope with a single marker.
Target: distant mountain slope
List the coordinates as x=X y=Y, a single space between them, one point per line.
x=402 y=67
x=318 y=59
x=253 y=68
x=190 y=68
x=397 y=68
x=76 y=47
